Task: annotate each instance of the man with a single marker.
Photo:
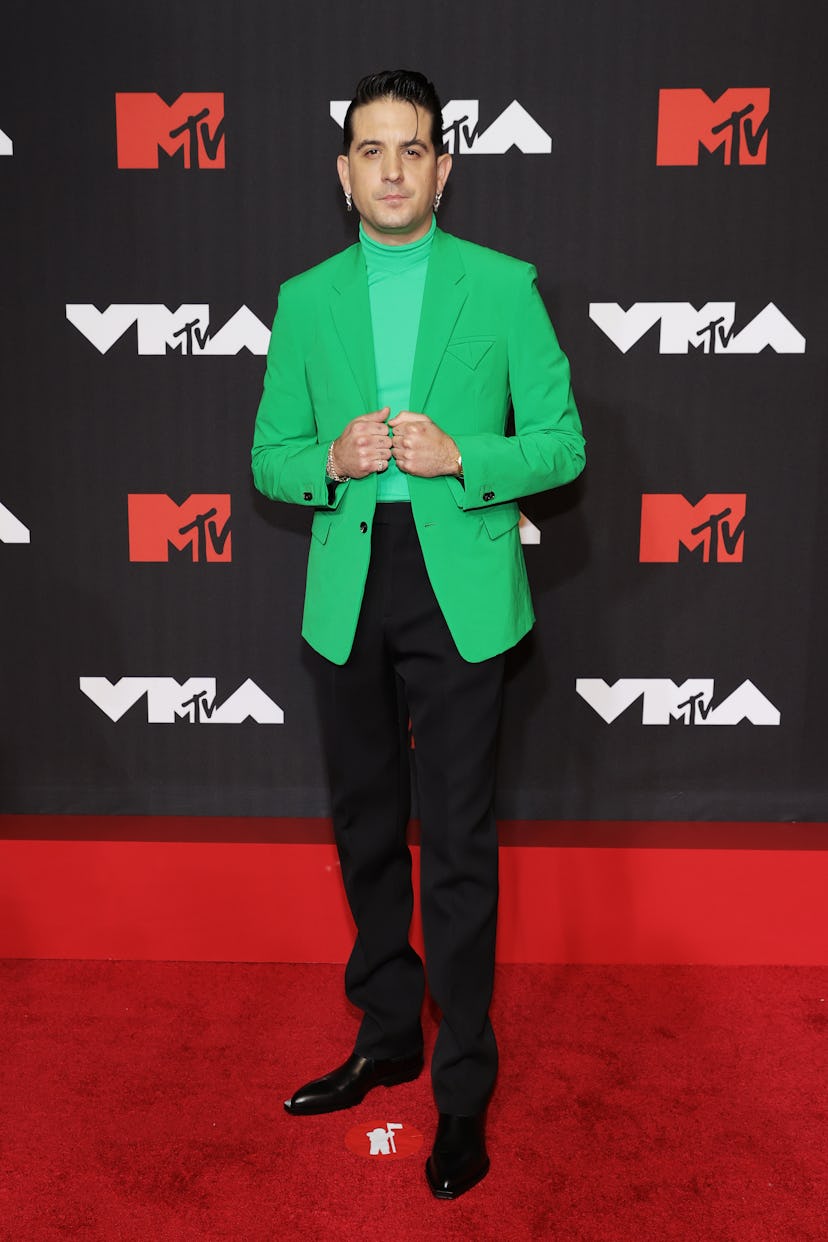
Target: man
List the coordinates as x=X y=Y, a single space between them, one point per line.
x=388 y=385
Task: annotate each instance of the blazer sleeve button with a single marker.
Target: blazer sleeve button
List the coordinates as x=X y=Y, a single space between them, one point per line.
x=363 y=526
x=488 y=495
x=307 y=495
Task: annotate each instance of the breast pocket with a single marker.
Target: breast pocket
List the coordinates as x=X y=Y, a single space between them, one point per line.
x=470 y=350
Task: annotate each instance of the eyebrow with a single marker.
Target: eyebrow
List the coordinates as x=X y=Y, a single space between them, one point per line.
x=376 y=142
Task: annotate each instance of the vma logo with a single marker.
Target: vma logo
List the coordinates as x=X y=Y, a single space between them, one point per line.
x=199 y=528
x=690 y=703
x=185 y=330
x=513 y=128
x=6 y=144
x=193 y=700
x=710 y=330
x=735 y=124
x=463 y=135
x=712 y=530
x=12 y=529
x=191 y=129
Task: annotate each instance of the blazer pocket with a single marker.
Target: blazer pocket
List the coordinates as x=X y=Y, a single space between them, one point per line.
x=470 y=350
x=320 y=526
x=499 y=521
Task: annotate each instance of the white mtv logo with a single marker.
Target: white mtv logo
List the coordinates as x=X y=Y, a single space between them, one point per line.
x=691 y=701
x=186 y=329
x=12 y=529
x=6 y=144
x=193 y=699
x=461 y=129
x=709 y=329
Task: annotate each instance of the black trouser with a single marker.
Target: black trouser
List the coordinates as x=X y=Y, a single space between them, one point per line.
x=404 y=662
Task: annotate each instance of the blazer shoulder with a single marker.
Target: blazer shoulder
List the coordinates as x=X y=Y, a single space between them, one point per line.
x=494 y=263
x=331 y=271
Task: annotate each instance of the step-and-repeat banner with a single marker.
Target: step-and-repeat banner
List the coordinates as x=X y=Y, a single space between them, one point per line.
x=164 y=166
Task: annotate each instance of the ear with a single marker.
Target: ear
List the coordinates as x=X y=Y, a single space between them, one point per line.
x=343 y=169
x=443 y=170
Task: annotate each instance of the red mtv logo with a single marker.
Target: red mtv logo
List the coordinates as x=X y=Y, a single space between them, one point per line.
x=193 y=126
x=736 y=122
x=716 y=526
x=201 y=523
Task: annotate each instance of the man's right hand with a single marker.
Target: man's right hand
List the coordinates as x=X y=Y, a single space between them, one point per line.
x=364 y=447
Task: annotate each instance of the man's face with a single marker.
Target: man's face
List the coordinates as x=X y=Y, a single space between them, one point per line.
x=392 y=170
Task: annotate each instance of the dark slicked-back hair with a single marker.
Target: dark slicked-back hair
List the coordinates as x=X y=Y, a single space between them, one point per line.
x=404 y=84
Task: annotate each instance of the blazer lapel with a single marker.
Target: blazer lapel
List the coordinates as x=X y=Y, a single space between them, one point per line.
x=443 y=297
x=351 y=312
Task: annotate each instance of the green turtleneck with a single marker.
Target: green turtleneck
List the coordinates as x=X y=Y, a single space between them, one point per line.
x=396 y=279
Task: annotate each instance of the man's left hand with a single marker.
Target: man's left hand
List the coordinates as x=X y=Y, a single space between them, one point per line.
x=420 y=447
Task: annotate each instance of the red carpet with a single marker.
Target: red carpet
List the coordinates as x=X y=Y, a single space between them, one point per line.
x=143 y=1103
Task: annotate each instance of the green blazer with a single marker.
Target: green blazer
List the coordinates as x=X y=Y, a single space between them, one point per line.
x=485 y=342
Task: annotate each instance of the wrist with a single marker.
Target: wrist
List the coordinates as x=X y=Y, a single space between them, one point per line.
x=456 y=460
x=331 y=468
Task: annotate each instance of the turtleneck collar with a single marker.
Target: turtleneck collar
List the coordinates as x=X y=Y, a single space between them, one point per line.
x=396 y=258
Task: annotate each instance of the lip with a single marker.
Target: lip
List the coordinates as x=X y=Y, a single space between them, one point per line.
x=393 y=198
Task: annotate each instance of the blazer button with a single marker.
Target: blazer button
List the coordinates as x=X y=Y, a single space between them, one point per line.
x=488 y=495
x=307 y=495
x=363 y=526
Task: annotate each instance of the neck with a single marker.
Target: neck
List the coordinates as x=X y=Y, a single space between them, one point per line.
x=390 y=241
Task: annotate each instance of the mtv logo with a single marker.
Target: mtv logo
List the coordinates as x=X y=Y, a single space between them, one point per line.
x=736 y=123
x=192 y=128
x=708 y=331
x=201 y=524
x=461 y=129
x=12 y=529
x=664 y=701
x=6 y=144
x=186 y=330
x=715 y=527
x=193 y=700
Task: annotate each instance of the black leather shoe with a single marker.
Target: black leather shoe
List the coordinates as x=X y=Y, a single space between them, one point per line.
x=459 y=1160
x=351 y=1082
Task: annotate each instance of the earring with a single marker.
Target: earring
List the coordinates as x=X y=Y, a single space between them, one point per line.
x=437 y=197
x=348 y=204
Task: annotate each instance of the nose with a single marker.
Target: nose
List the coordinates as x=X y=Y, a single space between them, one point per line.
x=392 y=169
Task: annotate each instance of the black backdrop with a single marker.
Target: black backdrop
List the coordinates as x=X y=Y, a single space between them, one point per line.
x=97 y=592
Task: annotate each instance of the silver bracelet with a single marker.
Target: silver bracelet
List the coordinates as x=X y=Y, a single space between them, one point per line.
x=330 y=471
